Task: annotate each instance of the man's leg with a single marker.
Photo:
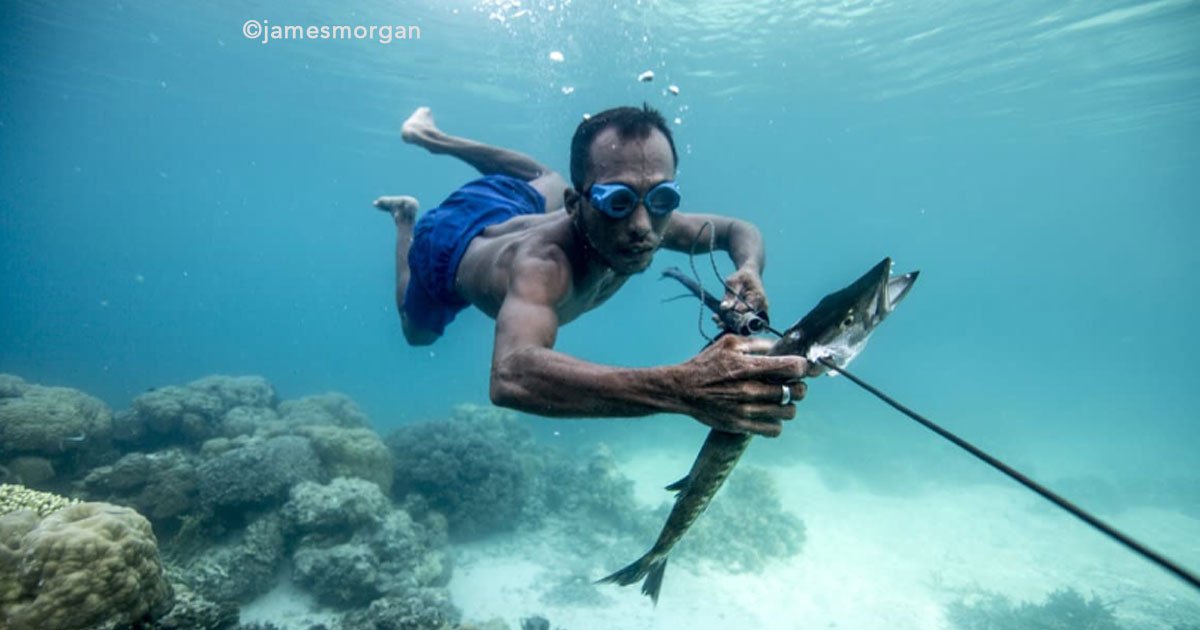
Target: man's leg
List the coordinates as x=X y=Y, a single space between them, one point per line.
x=420 y=130
x=404 y=213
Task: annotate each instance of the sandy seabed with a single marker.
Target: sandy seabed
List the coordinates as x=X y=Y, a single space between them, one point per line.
x=869 y=561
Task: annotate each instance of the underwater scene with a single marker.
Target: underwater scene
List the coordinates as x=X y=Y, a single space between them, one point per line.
x=472 y=314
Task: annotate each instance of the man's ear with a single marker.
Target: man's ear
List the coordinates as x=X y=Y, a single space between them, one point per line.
x=572 y=200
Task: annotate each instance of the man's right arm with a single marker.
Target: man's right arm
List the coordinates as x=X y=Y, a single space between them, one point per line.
x=727 y=386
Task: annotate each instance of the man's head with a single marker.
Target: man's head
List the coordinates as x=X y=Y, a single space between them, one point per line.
x=629 y=146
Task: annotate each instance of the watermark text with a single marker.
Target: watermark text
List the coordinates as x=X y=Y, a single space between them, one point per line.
x=264 y=32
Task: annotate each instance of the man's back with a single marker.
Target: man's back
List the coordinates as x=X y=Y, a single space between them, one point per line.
x=508 y=248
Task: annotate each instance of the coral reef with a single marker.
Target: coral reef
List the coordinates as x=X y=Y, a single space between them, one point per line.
x=246 y=421
x=45 y=431
x=193 y=611
x=12 y=386
x=31 y=470
x=256 y=474
x=351 y=452
x=14 y=497
x=343 y=504
x=191 y=413
x=345 y=575
x=235 y=475
x=160 y=485
x=368 y=551
x=419 y=609
x=331 y=409
x=237 y=391
x=589 y=492
x=470 y=467
x=1063 y=610
x=536 y=622
x=85 y=565
x=51 y=420
x=239 y=569
x=575 y=590
x=749 y=502
x=495 y=623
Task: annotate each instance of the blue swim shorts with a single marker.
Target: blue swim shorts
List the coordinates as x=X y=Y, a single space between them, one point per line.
x=441 y=236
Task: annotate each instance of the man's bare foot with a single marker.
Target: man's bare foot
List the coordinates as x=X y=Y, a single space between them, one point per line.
x=420 y=129
x=403 y=208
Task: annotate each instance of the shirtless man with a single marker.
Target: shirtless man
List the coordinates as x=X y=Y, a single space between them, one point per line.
x=534 y=253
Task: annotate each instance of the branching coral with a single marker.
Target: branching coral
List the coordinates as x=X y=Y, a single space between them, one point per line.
x=242 y=568
x=1064 y=609
x=419 y=609
x=15 y=497
x=256 y=474
x=355 y=547
x=590 y=493
x=471 y=468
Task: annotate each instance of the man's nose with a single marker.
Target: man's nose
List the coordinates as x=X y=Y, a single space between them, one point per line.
x=639 y=224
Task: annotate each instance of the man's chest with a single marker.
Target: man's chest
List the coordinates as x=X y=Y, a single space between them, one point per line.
x=591 y=296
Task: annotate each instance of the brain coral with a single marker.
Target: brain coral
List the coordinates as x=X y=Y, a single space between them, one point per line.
x=86 y=565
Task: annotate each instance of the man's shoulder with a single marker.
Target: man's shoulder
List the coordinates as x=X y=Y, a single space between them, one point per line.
x=540 y=255
x=517 y=253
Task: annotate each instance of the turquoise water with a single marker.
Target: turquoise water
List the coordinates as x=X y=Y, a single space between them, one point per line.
x=180 y=200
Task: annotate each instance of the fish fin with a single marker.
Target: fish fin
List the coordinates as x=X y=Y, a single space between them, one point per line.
x=648 y=566
x=653 y=583
x=679 y=486
x=629 y=574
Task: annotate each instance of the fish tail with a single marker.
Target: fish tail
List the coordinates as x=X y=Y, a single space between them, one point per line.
x=650 y=566
x=654 y=577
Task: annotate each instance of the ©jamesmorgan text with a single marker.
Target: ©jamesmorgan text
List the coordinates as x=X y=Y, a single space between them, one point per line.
x=263 y=31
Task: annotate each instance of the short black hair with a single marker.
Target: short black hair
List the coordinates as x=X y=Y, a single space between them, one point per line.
x=630 y=122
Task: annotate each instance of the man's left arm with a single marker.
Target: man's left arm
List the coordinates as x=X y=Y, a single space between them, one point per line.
x=743 y=242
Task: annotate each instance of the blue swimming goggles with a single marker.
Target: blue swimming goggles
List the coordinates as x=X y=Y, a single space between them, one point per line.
x=619 y=201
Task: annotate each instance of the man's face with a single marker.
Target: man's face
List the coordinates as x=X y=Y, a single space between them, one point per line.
x=627 y=245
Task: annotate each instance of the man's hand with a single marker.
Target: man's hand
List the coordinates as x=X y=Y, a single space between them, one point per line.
x=730 y=387
x=747 y=285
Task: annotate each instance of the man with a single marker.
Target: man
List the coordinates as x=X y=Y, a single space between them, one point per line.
x=534 y=253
